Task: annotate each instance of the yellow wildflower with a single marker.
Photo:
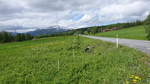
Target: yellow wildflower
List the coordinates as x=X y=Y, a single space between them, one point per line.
x=137 y=77
x=134 y=81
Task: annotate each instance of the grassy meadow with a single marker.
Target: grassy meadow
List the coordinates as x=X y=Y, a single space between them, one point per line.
x=137 y=32
x=65 y=60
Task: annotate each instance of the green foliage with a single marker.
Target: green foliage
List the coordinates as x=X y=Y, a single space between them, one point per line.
x=76 y=43
x=93 y=30
x=147 y=27
x=23 y=37
x=86 y=33
x=19 y=37
x=8 y=37
x=53 y=35
x=36 y=62
x=28 y=37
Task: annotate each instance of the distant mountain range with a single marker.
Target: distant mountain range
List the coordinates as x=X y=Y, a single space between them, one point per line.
x=48 y=30
x=35 y=31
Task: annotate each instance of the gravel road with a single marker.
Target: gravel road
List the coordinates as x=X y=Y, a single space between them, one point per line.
x=141 y=45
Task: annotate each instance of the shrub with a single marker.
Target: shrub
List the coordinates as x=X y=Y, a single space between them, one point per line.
x=147 y=27
x=6 y=37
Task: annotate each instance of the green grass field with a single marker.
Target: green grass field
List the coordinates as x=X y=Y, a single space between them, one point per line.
x=137 y=32
x=63 y=60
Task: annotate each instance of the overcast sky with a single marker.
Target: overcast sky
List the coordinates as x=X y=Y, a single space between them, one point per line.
x=71 y=13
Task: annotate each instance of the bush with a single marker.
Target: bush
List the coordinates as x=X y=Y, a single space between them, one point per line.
x=23 y=37
x=6 y=37
x=147 y=27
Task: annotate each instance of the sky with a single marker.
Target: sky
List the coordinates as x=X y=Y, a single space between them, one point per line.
x=33 y=14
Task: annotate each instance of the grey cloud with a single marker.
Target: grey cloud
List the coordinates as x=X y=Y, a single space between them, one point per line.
x=6 y=8
x=126 y=11
x=70 y=13
x=63 y=5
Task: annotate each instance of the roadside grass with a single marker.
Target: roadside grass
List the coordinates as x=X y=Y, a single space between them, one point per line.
x=137 y=32
x=63 y=60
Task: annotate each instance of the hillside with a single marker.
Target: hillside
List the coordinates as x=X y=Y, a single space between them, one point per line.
x=137 y=32
x=70 y=60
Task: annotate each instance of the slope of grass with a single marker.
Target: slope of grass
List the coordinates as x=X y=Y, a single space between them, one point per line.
x=62 y=60
x=137 y=32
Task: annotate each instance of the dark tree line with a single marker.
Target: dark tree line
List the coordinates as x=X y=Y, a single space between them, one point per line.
x=8 y=37
x=147 y=27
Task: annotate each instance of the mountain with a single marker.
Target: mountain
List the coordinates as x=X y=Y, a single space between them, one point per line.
x=48 y=30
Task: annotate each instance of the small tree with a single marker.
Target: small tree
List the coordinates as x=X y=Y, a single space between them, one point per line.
x=6 y=37
x=18 y=37
x=1 y=36
x=86 y=33
x=94 y=30
x=147 y=27
x=23 y=37
x=28 y=37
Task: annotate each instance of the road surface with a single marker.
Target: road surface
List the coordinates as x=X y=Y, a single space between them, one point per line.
x=141 y=45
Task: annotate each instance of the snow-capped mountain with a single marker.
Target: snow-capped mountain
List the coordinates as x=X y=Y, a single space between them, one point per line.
x=48 y=30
